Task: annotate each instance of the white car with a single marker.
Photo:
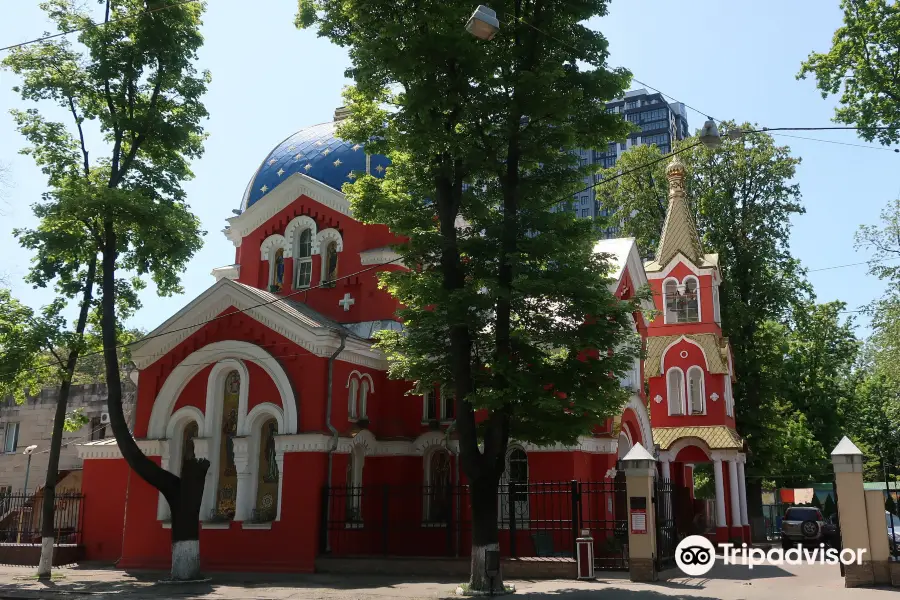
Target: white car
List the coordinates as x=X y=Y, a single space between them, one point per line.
x=893 y=532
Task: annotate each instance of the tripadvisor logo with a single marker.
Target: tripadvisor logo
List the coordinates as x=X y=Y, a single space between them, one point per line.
x=696 y=555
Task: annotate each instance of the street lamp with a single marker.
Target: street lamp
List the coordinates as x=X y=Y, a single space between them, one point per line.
x=483 y=23
x=709 y=135
x=27 y=452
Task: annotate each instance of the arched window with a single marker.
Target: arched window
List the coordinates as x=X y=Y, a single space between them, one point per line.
x=191 y=431
x=437 y=490
x=276 y=271
x=353 y=398
x=352 y=506
x=363 y=398
x=671 y=293
x=696 y=391
x=226 y=490
x=675 y=387
x=516 y=489
x=303 y=260
x=330 y=263
x=267 y=482
x=691 y=311
x=682 y=301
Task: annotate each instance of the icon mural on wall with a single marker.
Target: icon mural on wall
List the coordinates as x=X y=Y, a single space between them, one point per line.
x=227 y=485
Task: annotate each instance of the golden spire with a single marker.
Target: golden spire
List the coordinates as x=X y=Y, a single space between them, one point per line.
x=679 y=233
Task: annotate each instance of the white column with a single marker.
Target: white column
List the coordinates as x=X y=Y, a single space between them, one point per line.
x=242 y=503
x=163 y=512
x=742 y=492
x=733 y=485
x=279 y=458
x=203 y=449
x=666 y=469
x=720 y=493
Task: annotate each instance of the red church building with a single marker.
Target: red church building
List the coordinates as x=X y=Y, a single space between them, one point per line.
x=271 y=375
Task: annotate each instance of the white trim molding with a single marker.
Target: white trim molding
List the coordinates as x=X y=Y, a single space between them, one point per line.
x=328 y=235
x=226 y=272
x=272 y=243
x=379 y=256
x=662 y=356
x=295 y=227
x=110 y=449
x=278 y=199
x=636 y=405
x=315 y=337
x=228 y=355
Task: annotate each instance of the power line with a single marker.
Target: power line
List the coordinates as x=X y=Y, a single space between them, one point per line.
x=110 y=22
x=800 y=137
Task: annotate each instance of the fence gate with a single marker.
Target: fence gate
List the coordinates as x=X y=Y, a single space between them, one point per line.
x=664 y=500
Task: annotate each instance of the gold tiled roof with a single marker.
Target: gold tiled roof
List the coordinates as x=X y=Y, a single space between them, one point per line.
x=717 y=437
x=715 y=348
x=679 y=233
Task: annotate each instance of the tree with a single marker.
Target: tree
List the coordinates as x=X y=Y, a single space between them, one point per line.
x=862 y=66
x=133 y=78
x=743 y=199
x=479 y=135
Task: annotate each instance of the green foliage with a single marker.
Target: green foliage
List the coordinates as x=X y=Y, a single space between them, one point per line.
x=24 y=337
x=862 y=67
x=495 y=263
x=704 y=484
x=75 y=420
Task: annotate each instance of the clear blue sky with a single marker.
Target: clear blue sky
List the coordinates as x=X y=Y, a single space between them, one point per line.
x=732 y=59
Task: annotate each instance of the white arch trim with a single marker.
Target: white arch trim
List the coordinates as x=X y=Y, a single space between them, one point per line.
x=643 y=417
x=426 y=441
x=682 y=443
x=329 y=235
x=197 y=360
x=297 y=225
x=173 y=449
x=272 y=243
x=215 y=392
x=253 y=428
x=684 y=400
x=662 y=357
x=361 y=376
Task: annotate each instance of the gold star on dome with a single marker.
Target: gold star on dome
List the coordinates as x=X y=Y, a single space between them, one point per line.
x=326 y=152
x=280 y=172
x=272 y=162
x=264 y=189
x=379 y=168
x=291 y=148
x=308 y=166
x=337 y=163
x=351 y=175
x=356 y=147
x=320 y=143
x=298 y=156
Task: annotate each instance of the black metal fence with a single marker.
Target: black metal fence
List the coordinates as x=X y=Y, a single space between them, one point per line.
x=20 y=517
x=540 y=519
x=665 y=501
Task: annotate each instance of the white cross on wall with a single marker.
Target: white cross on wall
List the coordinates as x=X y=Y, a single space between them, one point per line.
x=347 y=302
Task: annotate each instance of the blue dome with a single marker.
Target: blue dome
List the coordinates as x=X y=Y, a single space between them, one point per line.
x=317 y=153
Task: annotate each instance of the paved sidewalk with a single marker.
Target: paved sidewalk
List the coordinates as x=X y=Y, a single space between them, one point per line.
x=87 y=582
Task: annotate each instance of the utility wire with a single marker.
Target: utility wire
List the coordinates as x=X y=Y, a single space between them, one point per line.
x=110 y=22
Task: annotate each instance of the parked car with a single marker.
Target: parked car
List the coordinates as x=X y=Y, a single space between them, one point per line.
x=893 y=533
x=802 y=525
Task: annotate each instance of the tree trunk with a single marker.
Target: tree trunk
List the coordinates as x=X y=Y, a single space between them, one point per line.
x=183 y=495
x=483 y=501
x=186 y=520
x=45 y=563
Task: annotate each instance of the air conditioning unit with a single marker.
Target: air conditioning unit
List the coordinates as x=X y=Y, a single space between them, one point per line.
x=104 y=418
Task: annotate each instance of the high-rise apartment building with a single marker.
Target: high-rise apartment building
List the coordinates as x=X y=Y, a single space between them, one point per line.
x=660 y=123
